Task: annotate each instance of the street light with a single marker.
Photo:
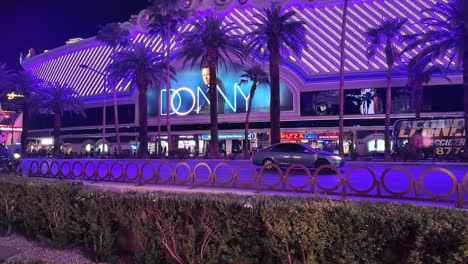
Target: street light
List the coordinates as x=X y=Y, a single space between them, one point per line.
x=116 y=115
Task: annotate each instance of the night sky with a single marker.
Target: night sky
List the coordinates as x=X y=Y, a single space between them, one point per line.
x=48 y=24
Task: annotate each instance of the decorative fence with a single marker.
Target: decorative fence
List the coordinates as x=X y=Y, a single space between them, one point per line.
x=244 y=175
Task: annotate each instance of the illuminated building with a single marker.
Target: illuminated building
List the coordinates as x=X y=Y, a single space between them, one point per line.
x=309 y=84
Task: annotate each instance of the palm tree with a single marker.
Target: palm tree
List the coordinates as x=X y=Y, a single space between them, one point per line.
x=447 y=35
x=256 y=75
x=386 y=36
x=6 y=75
x=274 y=34
x=113 y=35
x=26 y=84
x=56 y=98
x=166 y=17
x=419 y=73
x=211 y=43
x=342 y=62
x=143 y=67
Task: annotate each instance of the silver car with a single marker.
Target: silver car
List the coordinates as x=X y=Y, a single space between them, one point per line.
x=286 y=154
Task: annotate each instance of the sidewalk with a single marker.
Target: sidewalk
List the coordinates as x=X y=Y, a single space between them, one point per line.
x=129 y=187
x=400 y=160
x=8 y=252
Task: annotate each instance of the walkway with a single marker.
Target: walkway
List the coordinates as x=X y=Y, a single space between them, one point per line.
x=7 y=253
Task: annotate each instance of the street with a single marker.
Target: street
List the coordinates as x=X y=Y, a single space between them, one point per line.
x=438 y=181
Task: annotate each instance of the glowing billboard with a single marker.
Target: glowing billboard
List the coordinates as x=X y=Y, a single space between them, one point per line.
x=189 y=94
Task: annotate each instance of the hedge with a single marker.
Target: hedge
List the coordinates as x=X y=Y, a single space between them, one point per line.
x=166 y=227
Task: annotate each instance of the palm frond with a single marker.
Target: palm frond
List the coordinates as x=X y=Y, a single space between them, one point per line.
x=276 y=27
x=211 y=39
x=446 y=31
x=56 y=98
x=129 y=64
x=254 y=74
x=164 y=13
x=113 y=35
x=6 y=77
x=384 y=36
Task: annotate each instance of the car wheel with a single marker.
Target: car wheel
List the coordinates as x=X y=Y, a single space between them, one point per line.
x=268 y=164
x=323 y=162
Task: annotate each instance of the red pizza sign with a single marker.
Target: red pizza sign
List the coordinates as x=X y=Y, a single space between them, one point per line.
x=292 y=136
x=328 y=135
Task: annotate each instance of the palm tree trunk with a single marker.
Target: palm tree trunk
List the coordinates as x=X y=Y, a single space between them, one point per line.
x=342 y=61
x=168 y=88
x=417 y=99
x=465 y=103
x=388 y=106
x=214 y=142
x=275 y=110
x=116 y=121
x=246 y=130
x=57 y=122
x=104 y=112
x=116 y=115
x=143 y=118
x=25 y=132
x=158 y=118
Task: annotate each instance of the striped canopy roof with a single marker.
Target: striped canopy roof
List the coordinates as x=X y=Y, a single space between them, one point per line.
x=320 y=58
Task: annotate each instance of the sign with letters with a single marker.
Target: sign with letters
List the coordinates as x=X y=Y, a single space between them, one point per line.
x=189 y=95
x=443 y=135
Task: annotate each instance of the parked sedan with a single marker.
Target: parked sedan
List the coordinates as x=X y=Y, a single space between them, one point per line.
x=286 y=154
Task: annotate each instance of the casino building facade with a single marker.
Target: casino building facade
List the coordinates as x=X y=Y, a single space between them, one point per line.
x=309 y=84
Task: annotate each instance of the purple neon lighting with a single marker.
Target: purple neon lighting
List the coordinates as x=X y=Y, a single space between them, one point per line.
x=65 y=74
x=85 y=78
x=323 y=28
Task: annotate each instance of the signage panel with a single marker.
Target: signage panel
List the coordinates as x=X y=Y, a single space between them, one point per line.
x=227 y=136
x=328 y=135
x=189 y=95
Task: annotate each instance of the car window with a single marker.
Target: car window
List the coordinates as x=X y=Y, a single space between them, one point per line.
x=270 y=148
x=288 y=148
x=278 y=148
x=309 y=148
x=297 y=148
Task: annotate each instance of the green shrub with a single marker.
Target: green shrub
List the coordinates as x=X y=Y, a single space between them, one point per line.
x=188 y=229
x=227 y=228
x=10 y=191
x=48 y=211
x=98 y=224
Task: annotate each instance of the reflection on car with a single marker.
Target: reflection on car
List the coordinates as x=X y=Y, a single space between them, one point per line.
x=7 y=154
x=8 y=159
x=286 y=154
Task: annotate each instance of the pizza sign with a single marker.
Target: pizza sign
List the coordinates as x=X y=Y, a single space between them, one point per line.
x=292 y=136
x=329 y=135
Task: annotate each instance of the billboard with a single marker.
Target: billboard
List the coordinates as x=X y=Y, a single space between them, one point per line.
x=369 y=101
x=189 y=95
x=441 y=136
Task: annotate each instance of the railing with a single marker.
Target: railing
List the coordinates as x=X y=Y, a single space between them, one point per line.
x=244 y=175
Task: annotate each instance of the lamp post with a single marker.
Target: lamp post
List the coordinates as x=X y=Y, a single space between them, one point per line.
x=116 y=115
x=13 y=127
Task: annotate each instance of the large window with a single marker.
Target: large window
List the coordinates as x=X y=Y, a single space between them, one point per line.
x=362 y=101
x=93 y=117
x=439 y=98
x=376 y=145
